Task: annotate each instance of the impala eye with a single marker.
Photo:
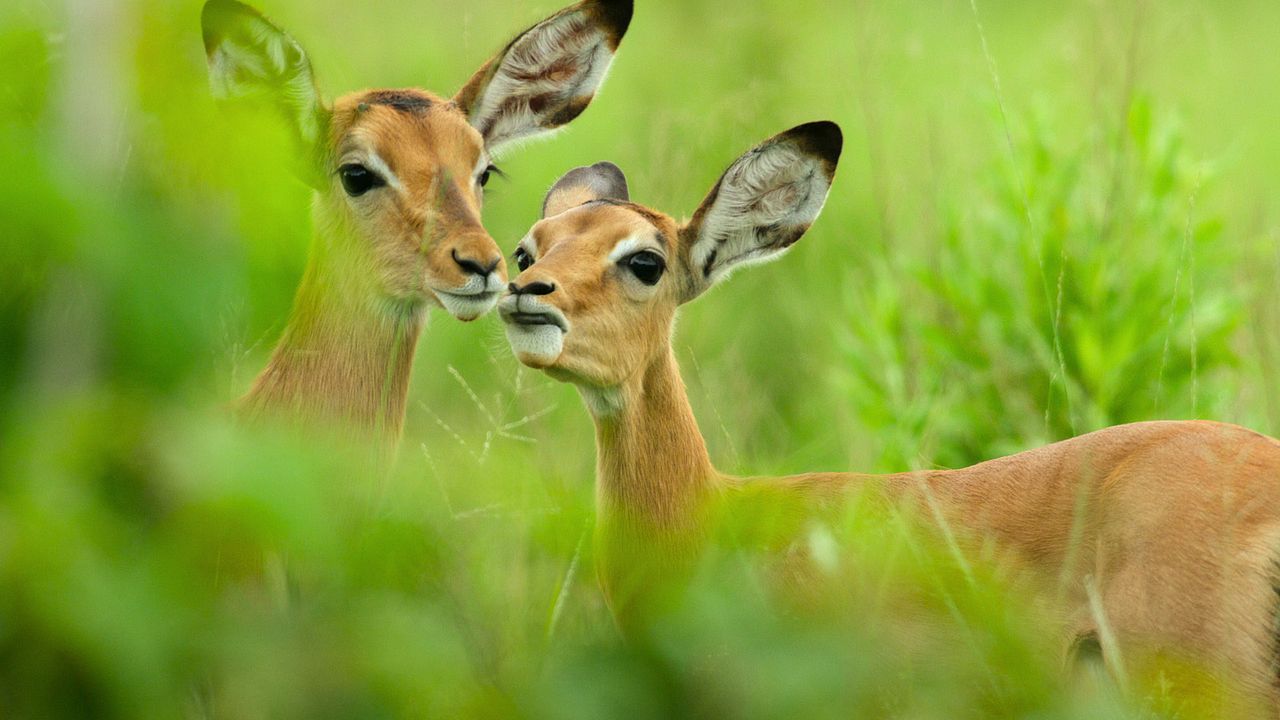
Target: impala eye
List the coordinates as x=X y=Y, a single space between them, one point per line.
x=647 y=266
x=358 y=179
x=523 y=259
x=489 y=172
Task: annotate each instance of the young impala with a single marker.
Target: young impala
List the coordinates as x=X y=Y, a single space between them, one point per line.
x=1175 y=526
x=398 y=178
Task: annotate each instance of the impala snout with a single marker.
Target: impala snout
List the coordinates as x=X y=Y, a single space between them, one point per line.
x=533 y=288
x=535 y=328
x=476 y=277
x=477 y=267
x=471 y=252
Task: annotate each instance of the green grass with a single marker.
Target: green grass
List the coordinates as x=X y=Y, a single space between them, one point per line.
x=1049 y=218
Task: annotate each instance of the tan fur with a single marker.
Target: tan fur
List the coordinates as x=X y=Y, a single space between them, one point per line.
x=379 y=259
x=1176 y=524
x=348 y=349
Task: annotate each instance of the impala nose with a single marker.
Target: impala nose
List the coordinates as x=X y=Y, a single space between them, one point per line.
x=475 y=267
x=533 y=288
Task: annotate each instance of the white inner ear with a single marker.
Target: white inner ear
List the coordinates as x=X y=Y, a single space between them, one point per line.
x=236 y=70
x=563 y=59
x=774 y=188
x=262 y=68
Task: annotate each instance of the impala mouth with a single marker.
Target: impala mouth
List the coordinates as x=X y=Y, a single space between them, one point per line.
x=535 y=318
x=535 y=330
x=467 y=306
x=470 y=297
x=526 y=311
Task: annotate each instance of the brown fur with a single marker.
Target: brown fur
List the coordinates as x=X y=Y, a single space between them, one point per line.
x=1176 y=524
x=1275 y=626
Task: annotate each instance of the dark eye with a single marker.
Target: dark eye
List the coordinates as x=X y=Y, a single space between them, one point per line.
x=522 y=258
x=647 y=266
x=358 y=179
x=489 y=172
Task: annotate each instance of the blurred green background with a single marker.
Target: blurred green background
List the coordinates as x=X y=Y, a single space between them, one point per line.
x=1050 y=217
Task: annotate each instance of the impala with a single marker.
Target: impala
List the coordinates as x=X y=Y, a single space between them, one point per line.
x=398 y=176
x=1169 y=532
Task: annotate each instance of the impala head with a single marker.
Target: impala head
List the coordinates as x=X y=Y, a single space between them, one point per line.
x=399 y=174
x=601 y=277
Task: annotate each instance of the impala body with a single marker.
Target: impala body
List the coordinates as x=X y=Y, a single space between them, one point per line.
x=398 y=178
x=1166 y=532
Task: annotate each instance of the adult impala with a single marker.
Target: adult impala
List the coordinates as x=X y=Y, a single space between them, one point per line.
x=1175 y=526
x=398 y=178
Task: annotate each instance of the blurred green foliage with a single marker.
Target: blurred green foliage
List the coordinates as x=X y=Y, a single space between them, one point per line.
x=1050 y=217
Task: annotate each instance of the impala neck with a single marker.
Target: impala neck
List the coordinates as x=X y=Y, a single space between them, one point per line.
x=652 y=464
x=654 y=488
x=345 y=356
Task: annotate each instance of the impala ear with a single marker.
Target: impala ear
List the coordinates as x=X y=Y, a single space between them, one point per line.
x=251 y=61
x=602 y=181
x=547 y=75
x=762 y=204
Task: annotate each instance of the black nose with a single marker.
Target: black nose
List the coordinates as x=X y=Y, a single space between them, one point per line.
x=533 y=288
x=471 y=266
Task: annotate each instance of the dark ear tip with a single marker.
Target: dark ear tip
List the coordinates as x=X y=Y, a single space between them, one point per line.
x=604 y=167
x=216 y=12
x=601 y=181
x=616 y=14
x=822 y=138
x=217 y=16
x=616 y=185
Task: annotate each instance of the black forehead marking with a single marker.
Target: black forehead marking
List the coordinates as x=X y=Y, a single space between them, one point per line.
x=405 y=102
